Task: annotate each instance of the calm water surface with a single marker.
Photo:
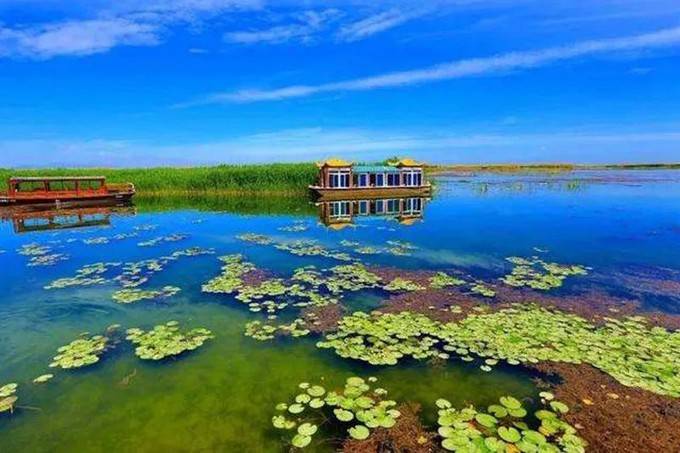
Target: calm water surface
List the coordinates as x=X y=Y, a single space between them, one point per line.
x=221 y=396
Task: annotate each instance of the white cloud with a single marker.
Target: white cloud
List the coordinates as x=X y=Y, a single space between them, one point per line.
x=458 y=69
x=377 y=23
x=125 y=23
x=307 y=25
x=76 y=38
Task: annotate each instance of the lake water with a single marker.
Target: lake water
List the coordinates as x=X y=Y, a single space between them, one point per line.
x=221 y=397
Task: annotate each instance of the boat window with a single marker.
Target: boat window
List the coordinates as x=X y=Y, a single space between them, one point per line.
x=340 y=209
x=58 y=186
x=392 y=179
x=362 y=180
x=363 y=207
x=380 y=179
x=94 y=184
x=30 y=186
x=339 y=179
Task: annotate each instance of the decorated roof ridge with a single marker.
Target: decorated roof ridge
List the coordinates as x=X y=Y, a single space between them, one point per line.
x=334 y=162
x=408 y=162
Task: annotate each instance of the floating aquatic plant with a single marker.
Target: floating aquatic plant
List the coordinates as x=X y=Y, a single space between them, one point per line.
x=538 y=274
x=8 y=398
x=130 y=275
x=296 y=227
x=34 y=249
x=132 y=295
x=482 y=289
x=166 y=340
x=356 y=407
x=43 y=378
x=311 y=248
x=442 y=280
x=264 y=331
x=161 y=239
x=630 y=351
x=47 y=260
x=505 y=428
x=260 y=239
x=80 y=352
x=399 y=284
x=231 y=278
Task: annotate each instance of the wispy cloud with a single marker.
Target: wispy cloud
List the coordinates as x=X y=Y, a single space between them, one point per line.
x=377 y=23
x=76 y=38
x=457 y=69
x=307 y=25
x=124 y=23
x=308 y=144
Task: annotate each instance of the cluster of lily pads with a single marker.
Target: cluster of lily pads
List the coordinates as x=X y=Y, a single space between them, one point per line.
x=401 y=284
x=130 y=275
x=8 y=397
x=40 y=255
x=166 y=340
x=629 y=350
x=538 y=274
x=266 y=331
x=442 y=280
x=161 y=239
x=231 y=278
x=80 y=352
x=132 y=295
x=105 y=239
x=296 y=227
x=397 y=248
x=357 y=406
x=504 y=427
x=301 y=247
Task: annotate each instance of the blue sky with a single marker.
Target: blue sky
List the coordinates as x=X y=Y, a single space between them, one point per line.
x=188 y=82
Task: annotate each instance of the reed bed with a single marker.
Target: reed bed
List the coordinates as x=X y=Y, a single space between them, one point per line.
x=274 y=178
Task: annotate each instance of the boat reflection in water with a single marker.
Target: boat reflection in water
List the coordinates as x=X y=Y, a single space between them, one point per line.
x=338 y=214
x=26 y=219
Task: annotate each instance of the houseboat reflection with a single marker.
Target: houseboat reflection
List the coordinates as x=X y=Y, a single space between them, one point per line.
x=27 y=220
x=338 y=214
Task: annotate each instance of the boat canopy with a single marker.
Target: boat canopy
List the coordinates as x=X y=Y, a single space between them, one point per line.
x=19 y=179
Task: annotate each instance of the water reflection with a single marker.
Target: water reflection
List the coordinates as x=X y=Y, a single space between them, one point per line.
x=341 y=213
x=30 y=219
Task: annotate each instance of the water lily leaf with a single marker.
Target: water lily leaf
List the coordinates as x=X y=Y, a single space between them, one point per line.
x=359 y=432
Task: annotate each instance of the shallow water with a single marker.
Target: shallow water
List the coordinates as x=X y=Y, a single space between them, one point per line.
x=221 y=396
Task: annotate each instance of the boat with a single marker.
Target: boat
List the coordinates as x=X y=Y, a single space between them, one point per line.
x=342 y=180
x=64 y=191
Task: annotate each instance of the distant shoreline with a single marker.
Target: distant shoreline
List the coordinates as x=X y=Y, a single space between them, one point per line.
x=275 y=179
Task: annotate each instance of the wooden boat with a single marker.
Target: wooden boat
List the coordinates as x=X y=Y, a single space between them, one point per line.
x=64 y=191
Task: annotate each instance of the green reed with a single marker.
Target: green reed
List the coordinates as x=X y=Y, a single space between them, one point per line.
x=294 y=177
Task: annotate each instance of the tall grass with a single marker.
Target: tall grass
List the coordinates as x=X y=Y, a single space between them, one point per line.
x=275 y=178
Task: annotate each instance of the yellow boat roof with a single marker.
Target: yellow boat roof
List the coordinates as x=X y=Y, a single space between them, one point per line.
x=334 y=162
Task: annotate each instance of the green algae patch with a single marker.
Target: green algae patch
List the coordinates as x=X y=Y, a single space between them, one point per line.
x=166 y=340
x=538 y=274
x=630 y=351
x=132 y=295
x=507 y=430
x=176 y=237
x=80 y=353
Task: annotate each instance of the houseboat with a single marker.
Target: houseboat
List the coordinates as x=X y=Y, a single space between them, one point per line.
x=342 y=180
x=64 y=191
